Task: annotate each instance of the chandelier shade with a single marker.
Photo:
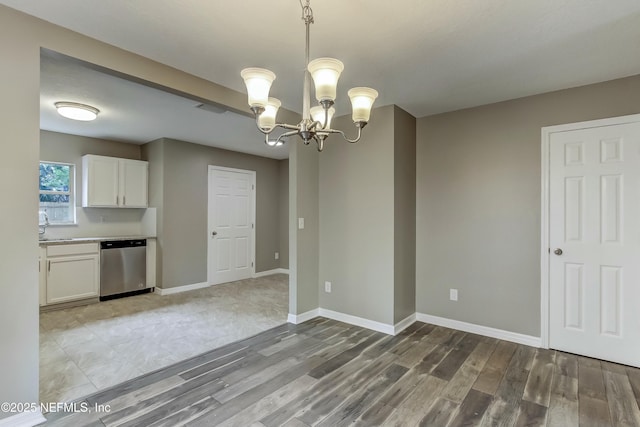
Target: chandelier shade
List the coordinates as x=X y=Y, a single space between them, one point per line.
x=258 y=82
x=362 y=99
x=325 y=73
x=316 y=122
x=318 y=115
x=267 y=120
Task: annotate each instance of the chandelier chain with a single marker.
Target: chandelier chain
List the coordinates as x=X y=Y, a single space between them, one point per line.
x=307 y=12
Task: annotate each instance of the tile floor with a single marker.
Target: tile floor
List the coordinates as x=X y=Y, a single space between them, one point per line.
x=88 y=348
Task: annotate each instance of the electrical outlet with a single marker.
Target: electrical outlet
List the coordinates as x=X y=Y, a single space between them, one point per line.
x=277 y=255
x=327 y=287
x=300 y=223
x=453 y=294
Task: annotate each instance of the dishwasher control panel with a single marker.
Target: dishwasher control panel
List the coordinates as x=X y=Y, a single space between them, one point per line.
x=115 y=244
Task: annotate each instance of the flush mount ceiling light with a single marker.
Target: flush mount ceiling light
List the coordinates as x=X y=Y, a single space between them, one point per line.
x=316 y=121
x=75 y=111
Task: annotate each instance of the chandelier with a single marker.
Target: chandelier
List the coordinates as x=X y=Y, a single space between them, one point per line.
x=316 y=121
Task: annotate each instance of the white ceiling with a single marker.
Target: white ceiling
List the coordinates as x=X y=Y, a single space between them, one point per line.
x=425 y=56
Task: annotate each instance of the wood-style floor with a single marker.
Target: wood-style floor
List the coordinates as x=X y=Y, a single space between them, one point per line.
x=328 y=373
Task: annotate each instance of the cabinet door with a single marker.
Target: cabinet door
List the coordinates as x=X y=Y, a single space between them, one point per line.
x=72 y=278
x=100 y=181
x=134 y=183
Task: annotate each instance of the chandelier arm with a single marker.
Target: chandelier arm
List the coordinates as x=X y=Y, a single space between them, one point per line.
x=344 y=135
x=286 y=135
x=277 y=125
x=286 y=126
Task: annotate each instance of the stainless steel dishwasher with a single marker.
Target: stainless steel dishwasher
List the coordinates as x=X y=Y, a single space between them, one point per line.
x=123 y=268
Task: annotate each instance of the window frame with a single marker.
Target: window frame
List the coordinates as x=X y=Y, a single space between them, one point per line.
x=71 y=193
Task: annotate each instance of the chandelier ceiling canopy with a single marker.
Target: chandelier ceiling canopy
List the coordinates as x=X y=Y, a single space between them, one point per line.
x=316 y=121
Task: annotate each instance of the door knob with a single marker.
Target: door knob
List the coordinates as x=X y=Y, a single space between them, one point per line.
x=558 y=251
x=214 y=233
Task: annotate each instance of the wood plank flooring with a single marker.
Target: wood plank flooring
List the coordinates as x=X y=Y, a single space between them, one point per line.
x=327 y=373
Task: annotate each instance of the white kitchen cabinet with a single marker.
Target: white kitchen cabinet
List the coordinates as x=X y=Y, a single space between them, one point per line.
x=72 y=272
x=111 y=182
x=133 y=180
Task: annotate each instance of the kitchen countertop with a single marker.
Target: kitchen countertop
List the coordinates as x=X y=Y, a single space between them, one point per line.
x=66 y=241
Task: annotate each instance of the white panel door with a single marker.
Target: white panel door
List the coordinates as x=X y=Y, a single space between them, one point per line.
x=231 y=224
x=594 y=234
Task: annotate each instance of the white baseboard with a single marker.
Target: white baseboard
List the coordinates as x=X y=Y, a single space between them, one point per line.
x=421 y=317
x=300 y=318
x=23 y=419
x=357 y=321
x=270 y=272
x=178 y=289
x=404 y=324
x=352 y=320
x=480 y=330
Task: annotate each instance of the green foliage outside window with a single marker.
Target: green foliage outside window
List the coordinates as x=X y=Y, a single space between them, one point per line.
x=56 y=192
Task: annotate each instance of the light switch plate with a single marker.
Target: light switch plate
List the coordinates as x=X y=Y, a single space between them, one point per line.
x=277 y=255
x=453 y=294
x=300 y=223
x=327 y=287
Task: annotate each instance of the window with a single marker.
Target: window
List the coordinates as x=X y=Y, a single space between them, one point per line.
x=57 y=188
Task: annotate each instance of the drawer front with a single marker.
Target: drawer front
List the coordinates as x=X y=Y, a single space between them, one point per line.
x=73 y=249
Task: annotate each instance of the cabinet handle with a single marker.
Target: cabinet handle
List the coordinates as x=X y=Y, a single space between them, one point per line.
x=117 y=200
x=124 y=200
x=49 y=266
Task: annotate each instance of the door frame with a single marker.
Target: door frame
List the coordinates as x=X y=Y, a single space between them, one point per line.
x=254 y=191
x=545 y=203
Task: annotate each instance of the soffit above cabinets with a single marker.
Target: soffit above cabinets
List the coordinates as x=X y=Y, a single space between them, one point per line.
x=135 y=113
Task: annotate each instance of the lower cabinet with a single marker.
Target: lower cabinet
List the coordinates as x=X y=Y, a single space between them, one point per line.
x=72 y=272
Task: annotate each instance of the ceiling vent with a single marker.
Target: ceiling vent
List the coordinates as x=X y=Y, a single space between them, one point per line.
x=212 y=108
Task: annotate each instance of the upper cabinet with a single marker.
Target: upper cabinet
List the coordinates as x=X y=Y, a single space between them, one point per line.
x=134 y=183
x=110 y=182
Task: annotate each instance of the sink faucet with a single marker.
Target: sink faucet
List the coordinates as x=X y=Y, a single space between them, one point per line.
x=43 y=223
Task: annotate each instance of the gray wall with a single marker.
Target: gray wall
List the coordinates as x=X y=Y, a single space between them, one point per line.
x=357 y=220
x=183 y=237
x=153 y=152
x=62 y=147
x=404 y=217
x=20 y=120
x=478 y=202
x=303 y=244
x=283 y=212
